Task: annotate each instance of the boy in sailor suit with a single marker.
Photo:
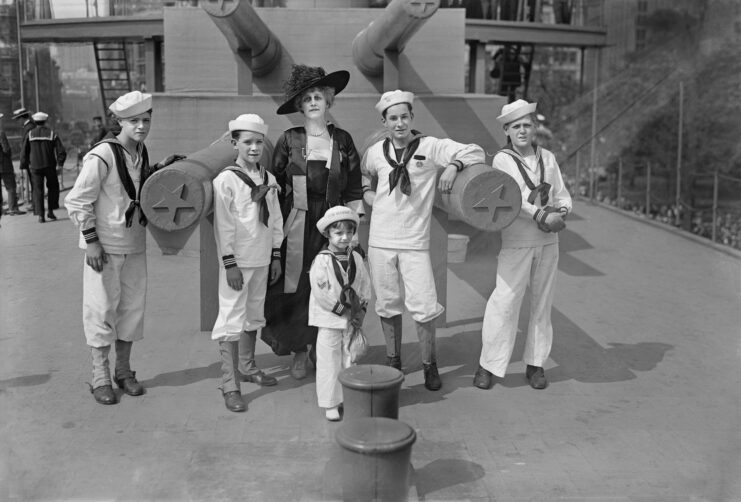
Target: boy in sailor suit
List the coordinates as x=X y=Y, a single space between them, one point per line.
x=104 y=204
x=248 y=228
x=529 y=254
x=406 y=164
x=340 y=291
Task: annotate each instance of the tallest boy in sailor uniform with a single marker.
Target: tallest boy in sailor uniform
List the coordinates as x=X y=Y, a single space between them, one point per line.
x=529 y=254
x=104 y=205
x=406 y=164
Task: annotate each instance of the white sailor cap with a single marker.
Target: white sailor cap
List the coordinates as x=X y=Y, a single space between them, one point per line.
x=392 y=98
x=335 y=214
x=248 y=122
x=516 y=110
x=39 y=116
x=131 y=104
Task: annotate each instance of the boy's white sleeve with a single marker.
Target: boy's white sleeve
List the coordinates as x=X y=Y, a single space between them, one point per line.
x=368 y=170
x=561 y=196
x=80 y=201
x=447 y=151
x=321 y=286
x=225 y=227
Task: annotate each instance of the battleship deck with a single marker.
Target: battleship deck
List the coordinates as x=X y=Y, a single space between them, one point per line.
x=643 y=403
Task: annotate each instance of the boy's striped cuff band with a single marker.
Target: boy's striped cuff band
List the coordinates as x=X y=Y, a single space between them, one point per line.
x=338 y=308
x=540 y=216
x=90 y=235
x=229 y=261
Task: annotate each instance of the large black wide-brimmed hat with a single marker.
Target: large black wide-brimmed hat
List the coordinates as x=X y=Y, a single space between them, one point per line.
x=304 y=77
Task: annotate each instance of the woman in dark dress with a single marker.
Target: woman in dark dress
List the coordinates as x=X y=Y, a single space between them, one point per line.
x=317 y=167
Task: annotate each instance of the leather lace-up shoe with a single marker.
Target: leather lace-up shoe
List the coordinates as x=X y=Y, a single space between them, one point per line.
x=104 y=394
x=432 y=378
x=51 y=216
x=130 y=385
x=483 y=379
x=41 y=219
x=234 y=402
x=536 y=377
x=394 y=362
x=260 y=378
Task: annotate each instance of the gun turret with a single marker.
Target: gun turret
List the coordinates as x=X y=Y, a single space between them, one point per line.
x=396 y=25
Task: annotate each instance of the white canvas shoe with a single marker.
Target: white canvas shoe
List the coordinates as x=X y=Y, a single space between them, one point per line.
x=332 y=414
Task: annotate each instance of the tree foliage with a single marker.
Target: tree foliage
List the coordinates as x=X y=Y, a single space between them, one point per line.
x=638 y=105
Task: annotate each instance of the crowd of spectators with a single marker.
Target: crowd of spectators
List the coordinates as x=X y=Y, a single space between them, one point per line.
x=727 y=222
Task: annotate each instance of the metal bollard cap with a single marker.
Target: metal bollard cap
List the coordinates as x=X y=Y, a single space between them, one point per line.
x=375 y=435
x=370 y=377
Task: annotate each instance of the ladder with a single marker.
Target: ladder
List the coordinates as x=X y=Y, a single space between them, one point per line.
x=114 y=77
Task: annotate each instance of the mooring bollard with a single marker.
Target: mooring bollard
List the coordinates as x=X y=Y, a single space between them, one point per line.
x=371 y=390
x=376 y=453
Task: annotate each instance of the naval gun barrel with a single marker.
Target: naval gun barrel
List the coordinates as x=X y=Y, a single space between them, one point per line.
x=245 y=31
x=396 y=25
x=177 y=196
x=483 y=197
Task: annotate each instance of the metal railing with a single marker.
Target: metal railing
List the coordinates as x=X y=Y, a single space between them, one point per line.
x=651 y=191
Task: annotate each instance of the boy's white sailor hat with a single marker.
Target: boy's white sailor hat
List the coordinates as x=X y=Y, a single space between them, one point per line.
x=335 y=214
x=516 y=110
x=392 y=98
x=39 y=116
x=248 y=122
x=131 y=104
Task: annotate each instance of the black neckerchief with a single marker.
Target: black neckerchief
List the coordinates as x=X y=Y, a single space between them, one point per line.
x=542 y=189
x=400 y=174
x=337 y=266
x=348 y=297
x=119 y=154
x=258 y=192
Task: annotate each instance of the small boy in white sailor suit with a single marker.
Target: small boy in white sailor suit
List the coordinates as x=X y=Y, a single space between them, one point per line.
x=340 y=291
x=248 y=228
x=104 y=205
x=406 y=165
